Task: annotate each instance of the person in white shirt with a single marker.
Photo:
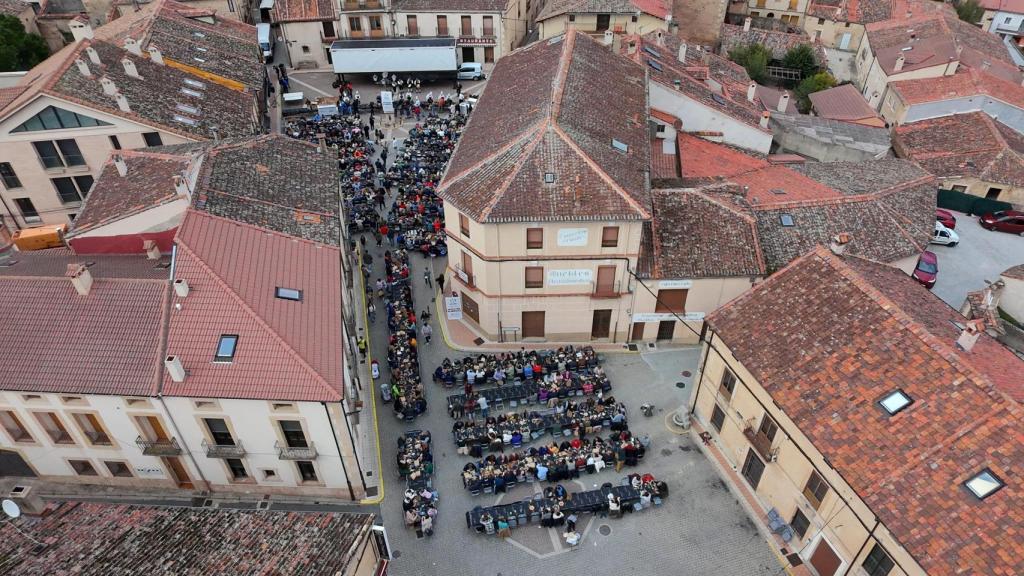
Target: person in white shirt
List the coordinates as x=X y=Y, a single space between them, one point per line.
x=485 y=410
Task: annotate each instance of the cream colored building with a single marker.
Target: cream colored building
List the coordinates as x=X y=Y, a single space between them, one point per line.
x=307 y=29
x=622 y=17
x=815 y=415
x=789 y=11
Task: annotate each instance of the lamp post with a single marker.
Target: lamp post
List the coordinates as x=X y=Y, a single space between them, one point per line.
x=681 y=417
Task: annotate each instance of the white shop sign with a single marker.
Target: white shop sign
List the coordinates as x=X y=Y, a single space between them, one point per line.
x=386 y=103
x=570 y=277
x=662 y=316
x=572 y=237
x=668 y=284
x=453 y=307
x=462 y=275
x=149 y=472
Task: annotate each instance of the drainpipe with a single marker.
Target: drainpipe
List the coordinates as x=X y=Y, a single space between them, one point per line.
x=334 y=435
x=177 y=433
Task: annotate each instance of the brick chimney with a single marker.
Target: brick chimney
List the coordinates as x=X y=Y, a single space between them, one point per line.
x=121 y=165
x=839 y=242
x=970 y=334
x=155 y=56
x=129 y=67
x=751 y=90
x=80 y=277
x=152 y=250
x=746 y=23
x=900 y=61
x=83 y=67
x=783 y=102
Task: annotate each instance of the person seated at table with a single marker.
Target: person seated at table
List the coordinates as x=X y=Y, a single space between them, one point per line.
x=614 y=505
x=503 y=528
x=499 y=376
x=528 y=372
x=517 y=438
x=557 y=517
x=487 y=522
x=645 y=498
x=560 y=491
x=542 y=472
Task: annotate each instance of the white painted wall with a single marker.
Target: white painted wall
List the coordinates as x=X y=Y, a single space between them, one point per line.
x=156 y=219
x=699 y=117
x=1007 y=114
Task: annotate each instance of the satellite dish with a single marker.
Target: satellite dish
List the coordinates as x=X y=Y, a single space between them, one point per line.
x=11 y=508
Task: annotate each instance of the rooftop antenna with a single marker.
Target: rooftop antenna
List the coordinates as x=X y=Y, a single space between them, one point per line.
x=12 y=511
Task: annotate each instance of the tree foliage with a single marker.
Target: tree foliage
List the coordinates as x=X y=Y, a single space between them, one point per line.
x=18 y=50
x=810 y=85
x=970 y=11
x=754 y=58
x=802 y=57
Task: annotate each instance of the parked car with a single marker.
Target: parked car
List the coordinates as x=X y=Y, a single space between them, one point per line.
x=944 y=235
x=472 y=71
x=1011 y=221
x=927 y=269
x=946 y=217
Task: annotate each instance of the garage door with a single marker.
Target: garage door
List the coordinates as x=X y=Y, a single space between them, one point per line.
x=533 y=324
x=825 y=560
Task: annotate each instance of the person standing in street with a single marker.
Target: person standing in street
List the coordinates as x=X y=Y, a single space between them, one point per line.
x=372 y=311
x=361 y=343
x=427 y=332
x=426 y=276
x=440 y=282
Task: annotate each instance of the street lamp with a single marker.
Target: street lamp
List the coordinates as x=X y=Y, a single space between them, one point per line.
x=681 y=417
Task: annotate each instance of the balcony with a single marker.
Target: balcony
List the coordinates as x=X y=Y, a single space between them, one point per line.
x=467 y=277
x=223 y=450
x=760 y=442
x=604 y=291
x=294 y=453
x=166 y=447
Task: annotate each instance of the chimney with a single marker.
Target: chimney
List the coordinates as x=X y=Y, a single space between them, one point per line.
x=174 y=368
x=746 y=23
x=180 y=185
x=94 y=56
x=129 y=67
x=83 y=67
x=80 y=277
x=661 y=38
x=985 y=65
x=80 y=29
x=181 y=287
x=155 y=55
x=122 y=102
x=609 y=37
x=119 y=163
x=132 y=45
x=951 y=68
x=109 y=88
x=764 y=119
x=751 y=90
x=682 y=52
x=783 y=102
x=152 y=250
x=839 y=242
x=900 y=60
x=971 y=333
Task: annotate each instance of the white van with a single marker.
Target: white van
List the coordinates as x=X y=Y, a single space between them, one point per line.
x=471 y=71
x=265 y=41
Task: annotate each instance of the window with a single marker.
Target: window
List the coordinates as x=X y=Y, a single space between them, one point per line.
x=269 y=474
x=984 y=484
x=71 y=217
x=305 y=49
x=92 y=429
x=72 y=189
x=549 y=177
x=294 y=437
x=288 y=293
x=768 y=428
x=895 y=401
x=226 y=348
x=821 y=21
x=488 y=25
x=237 y=469
x=660 y=129
x=799 y=523
x=355 y=24
x=306 y=471
x=534 y=276
x=752 y=469
x=83 y=467
x=717 y=418
x=375 y=24
x=15 y=429
x=534 y=238
x=442 y=25
x=219 y=432
x=572 y=17
x=8 y=176
x=464 y=225
x=786 y=220
x=152 y=139
x=328 y=29
x=609 y=236
x=633 y=19
x=59 y=153
x=728 y=383
x=467 y=26
x=619 y=144
x=28 y=210
x=878 y=562
x=412 y=26
x=118 y=469
x=51 y=118
x=815 y=490
x=54 y=428
x=671 y=301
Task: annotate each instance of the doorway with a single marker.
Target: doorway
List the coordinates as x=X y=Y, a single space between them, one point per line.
x=993 y=193
x=533 y=324
x=825 y=560
x=666 y=328
x=178 y=473
x=468 y=54
x=753 y=467
x=603 y=22
x=602 y=324
x=638 y=331
x=152 y=429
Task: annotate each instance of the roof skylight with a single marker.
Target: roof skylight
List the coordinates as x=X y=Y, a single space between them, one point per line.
x=655 y=64
x=288 y=294
x=895 y=401
x=787 y=220
x=195 y=83
x=984 y=484
x=226 y=348
x=619 y=145
x=549 y=177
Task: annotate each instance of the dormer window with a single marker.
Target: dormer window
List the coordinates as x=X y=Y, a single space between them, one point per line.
x=226 y=348
x=288 y=294
x=895 y=401
x=984 y=484
x=549 y=177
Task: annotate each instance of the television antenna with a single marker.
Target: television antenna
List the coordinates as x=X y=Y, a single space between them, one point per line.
x=12 y=511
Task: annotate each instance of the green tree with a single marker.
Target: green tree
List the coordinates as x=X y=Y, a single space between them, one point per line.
x=18 y=50
x=970 y=11
x=801 y=57
x=754 y=58
x=810 y=85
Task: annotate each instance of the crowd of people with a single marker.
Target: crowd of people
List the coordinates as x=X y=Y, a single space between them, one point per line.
x=416 y=466
x=403 y=348
x=522 y=365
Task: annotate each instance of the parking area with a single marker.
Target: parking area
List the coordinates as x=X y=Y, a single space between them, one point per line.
x=981 y=255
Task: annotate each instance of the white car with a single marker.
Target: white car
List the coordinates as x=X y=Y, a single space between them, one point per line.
x=944 y=236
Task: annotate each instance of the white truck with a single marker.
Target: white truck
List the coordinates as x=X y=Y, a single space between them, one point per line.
x=266 y=41
x=420 y=57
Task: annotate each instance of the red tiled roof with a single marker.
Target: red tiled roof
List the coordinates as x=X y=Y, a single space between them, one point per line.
x=827 y=338
x=303 y=10
x=966 y=83
x=842 y=103
x=538 y=116
x=105 y=342
x=699 y=158
x=286 y=350
x=663 y=165
x=1015 y=272
x=1014 y=6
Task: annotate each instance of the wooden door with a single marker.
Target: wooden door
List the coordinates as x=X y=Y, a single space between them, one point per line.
x=470 y=308
x=606 y=280
x=638 y=331
x=533 y=324
x=601 y=324
x=178 y=473
x=825 y=560
x=666 y=328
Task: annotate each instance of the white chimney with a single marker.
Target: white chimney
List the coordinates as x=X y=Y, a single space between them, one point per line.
x=109 y=88
x=132 y=45
x=900 y=60
x=783 y=102
x=122 y=102
x=839 y=242
x=94 y=56
x=152 y=250
x=181 y=287
x=129 y=68
x=80 y=29
x=746 y=23
x=174 y=368
x=83 y=67
x=764 y=119
x=751 y=90
x=972 y=331
x=181 y=185
x=661 y=38
x=119 y=163
x=682 y=52
x=80 y=277
x=155 y=55
x=608 y=38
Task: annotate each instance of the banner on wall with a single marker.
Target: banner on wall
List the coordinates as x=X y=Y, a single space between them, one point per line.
x=572 y=237
x=453 y=307
x=570 y=277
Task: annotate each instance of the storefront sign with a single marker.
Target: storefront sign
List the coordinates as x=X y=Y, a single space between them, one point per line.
x=453 y=307
x=667 y=284
x=570 y=277
x=572 y=237
x=471 y=41
x=662 y=316
x=386 y=103
x=149 y=472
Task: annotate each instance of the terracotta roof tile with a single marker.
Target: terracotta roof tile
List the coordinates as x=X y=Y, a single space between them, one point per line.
x=842 y=103
x=656 y=8
x=303 y=10
x=827 y=341
x=13 y=7
x=1015 y=272
x=450 y=5
x=966 y=83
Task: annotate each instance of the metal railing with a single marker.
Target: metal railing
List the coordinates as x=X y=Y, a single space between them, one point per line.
x=295 y=453
x=168 y=447
x=223 y=450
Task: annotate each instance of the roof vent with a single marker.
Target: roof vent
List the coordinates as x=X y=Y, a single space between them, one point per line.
x=83 y=67
x=155 y=56
x=121 y=165
x=80 y=277
x=152 y=250
x=549 y=177
x=132 y=45
x=181 y=287
x=180 y=185
x=174 y=368
x=109 y=88
x=839 y=242
x=122 y=102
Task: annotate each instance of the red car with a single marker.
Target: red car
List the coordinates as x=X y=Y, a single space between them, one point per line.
x=946 y=218
x=927 y=269
x=1011 y=221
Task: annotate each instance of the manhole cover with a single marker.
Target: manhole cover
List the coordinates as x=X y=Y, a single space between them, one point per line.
x=686 y=374
x=604 y=529
x=397 y=553
x=680 y=384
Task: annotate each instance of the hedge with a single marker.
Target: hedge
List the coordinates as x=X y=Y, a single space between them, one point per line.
x=969 y=203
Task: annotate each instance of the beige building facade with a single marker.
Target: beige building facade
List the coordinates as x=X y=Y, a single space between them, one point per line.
x=789 y=11
x=636 y=23
x=481 y=36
